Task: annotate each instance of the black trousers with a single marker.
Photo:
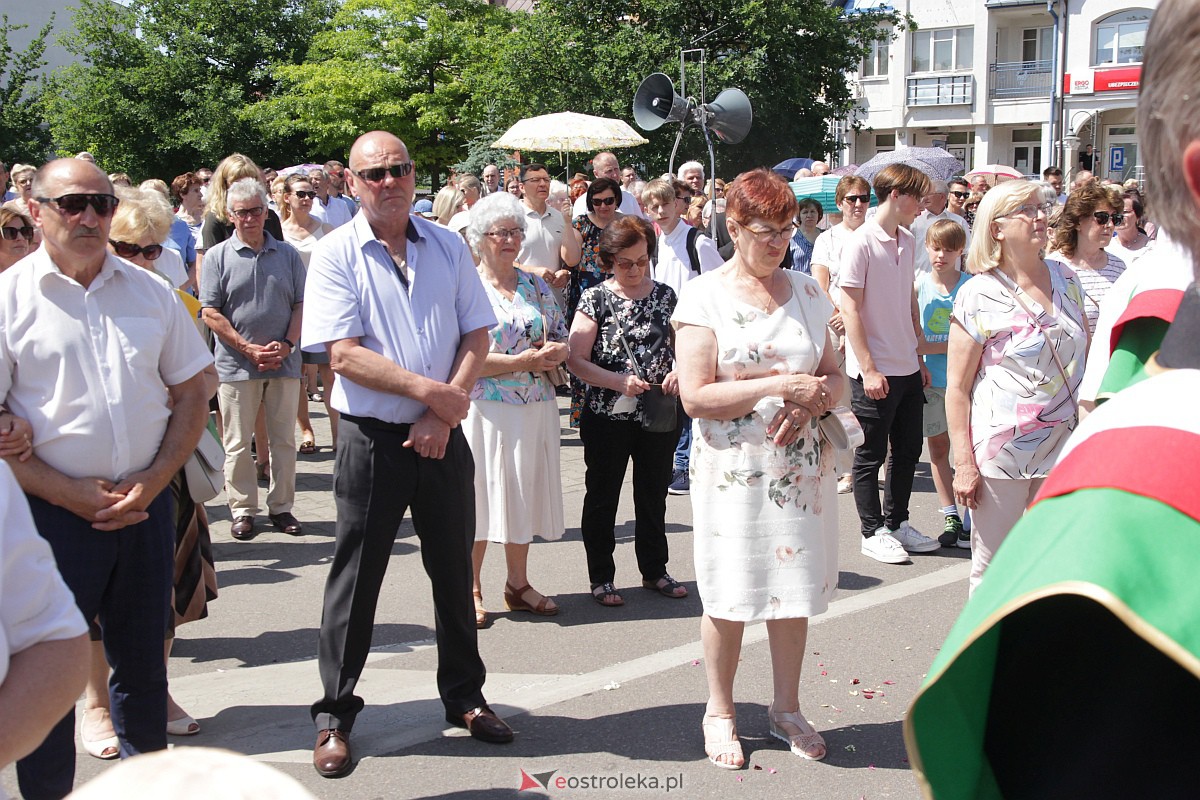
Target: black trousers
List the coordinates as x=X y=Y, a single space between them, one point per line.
x=608 y=446
x=895 y=420
x=375 y=480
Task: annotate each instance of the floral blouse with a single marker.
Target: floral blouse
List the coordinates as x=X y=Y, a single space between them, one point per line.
x=519 y=329
x=1022 y=411
x=646 y=324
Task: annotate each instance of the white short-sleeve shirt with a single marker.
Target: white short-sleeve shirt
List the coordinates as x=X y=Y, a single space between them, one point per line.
x=89 y=367
x=674 y=266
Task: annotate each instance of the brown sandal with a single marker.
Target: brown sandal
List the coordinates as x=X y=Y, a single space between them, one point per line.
x=481 y=617
x=514 y=599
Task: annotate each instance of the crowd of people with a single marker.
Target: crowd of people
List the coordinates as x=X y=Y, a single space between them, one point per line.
x=735 y=342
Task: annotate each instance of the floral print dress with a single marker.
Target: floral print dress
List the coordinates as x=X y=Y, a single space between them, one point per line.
x=765 y=517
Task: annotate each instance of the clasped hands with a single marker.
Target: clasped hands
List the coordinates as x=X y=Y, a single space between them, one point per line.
x=268 y=356
x=805 y=397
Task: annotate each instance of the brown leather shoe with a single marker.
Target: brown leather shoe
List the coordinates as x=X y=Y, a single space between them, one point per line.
x=242 y=528
x=331 y=756
x=484 y=725
x=286 y=523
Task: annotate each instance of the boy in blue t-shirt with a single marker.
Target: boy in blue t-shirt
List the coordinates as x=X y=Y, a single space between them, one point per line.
x=945 y=242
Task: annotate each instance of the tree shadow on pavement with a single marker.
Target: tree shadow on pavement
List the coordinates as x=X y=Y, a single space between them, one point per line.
x=273 y=647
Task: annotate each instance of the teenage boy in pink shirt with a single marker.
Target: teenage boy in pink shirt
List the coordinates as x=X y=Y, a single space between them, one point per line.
x=887 y=377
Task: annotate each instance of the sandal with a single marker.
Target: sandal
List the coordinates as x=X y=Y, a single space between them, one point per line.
x=802 y=743
x=184 y=726
x=106 y=747
x=606 y=594
x=308 y=447
x=316 y=397
x=514 y=599
x=481 y=617
x=667 y=587
x=721 y=742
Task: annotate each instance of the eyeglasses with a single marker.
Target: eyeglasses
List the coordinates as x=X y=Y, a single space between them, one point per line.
x=247 y=213
x=687 y=198
x=377 y=174
x=961 y=195
x=865 y=199
x=770 y=234
x=131 y=250
x=12 y=233
x=535 y=180
x=24 y=182
x=1029 y=211
x=75 y=204
x=603 y=201
x=303 y=195
x=1103 y=217
x=628 y=263
x=505 y=233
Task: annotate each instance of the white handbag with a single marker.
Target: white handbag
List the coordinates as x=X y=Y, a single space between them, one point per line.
x=205 y=468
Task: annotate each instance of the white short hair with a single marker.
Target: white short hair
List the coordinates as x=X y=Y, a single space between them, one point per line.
x=498 y=207
x=245 y=189
x=688 y=166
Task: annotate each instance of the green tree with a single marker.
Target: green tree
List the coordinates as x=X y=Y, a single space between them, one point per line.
x=398 y=65
x=480 y=152
x=22 y=137
x=789 y=56
x=163 y=83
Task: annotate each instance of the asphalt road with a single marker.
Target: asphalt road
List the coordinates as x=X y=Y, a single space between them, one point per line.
x=600 y=698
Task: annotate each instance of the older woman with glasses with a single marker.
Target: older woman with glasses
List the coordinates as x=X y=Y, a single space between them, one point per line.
x=512 y=425
x=1085 y=227
x=625 y=319
x=17 y=230
x=757 y=369
x=1018 y=342
x=22 y=181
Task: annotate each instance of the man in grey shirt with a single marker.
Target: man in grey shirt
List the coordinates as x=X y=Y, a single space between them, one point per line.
x=251 y=291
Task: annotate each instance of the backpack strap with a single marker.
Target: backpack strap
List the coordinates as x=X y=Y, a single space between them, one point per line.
x=693 y=255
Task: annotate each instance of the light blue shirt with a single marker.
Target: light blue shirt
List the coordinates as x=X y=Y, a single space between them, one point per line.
x=354 y=291
x=936 y=310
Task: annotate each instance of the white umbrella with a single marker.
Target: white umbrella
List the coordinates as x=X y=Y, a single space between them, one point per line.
x=996 y=171
x=933 y=161
x=568 y=132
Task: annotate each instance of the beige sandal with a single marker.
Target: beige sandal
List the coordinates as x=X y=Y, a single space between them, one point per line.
x=721 y=742
x=802 y=743
x=481 y=615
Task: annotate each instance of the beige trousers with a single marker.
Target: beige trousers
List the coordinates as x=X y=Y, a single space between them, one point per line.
x=1002 y=502
x=239 y=406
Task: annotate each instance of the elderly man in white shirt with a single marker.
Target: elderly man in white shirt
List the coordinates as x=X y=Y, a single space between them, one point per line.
x=327 y=206
x=605 y=165
x=111 y=381
x=934 y=204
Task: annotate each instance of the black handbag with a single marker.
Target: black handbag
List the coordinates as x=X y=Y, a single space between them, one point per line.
x=659 y=410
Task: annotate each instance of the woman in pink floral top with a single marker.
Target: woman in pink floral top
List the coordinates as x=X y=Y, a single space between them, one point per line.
x=1016 y=356
x=512 y=425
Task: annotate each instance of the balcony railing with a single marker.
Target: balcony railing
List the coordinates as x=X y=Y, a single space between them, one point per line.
x=1020 y=79
x=940 y=91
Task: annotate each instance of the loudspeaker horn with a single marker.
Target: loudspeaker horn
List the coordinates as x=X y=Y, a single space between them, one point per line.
x=656 y=103
x=730 y=115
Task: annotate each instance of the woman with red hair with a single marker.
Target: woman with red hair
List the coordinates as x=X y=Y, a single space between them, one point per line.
x=756 y=370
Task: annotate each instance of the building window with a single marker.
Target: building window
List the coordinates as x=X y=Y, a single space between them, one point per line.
x=1026 y=135
x=875 y=63
x=1120 y=37
x=944 y=50
x=885 y=141
x=1036 y=44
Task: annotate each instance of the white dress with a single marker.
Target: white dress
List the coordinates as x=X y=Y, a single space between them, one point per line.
x=306 y=245
x=765 y=517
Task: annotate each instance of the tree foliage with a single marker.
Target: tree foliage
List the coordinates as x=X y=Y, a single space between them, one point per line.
x=480 y=152
x=22 y=139
x=398 y=65
x=162 y=83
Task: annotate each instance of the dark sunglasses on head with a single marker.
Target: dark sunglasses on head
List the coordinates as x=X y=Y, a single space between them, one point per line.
x=961 y=195
x=75 y=204
x=857 y=198
x=305 y=195
x=13 y=233
x=603 y=201
x=131 y=250
x=1102 y=217
x=377 y=174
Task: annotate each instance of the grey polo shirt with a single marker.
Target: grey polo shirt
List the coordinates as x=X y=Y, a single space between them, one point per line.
x=543 y=238
x=255 y=291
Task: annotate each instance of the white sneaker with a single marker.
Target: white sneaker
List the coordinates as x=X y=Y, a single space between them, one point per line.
x=913 y=540
x=884 y=548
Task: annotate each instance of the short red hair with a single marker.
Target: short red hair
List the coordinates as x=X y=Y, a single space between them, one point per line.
x=762 y=194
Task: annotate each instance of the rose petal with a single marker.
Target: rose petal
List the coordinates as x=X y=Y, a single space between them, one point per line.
x=854 y=681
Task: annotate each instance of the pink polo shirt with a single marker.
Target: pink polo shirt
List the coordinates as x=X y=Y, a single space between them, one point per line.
x=882 y=266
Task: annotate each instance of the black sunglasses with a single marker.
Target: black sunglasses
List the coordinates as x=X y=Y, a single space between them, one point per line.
x=1102 y=217
x=857 y=198
x=12 y=233
x=603 y=201
x=75 y=204
x=131 y=250
x=305 y=195
x=377 y=174
x=961 y=195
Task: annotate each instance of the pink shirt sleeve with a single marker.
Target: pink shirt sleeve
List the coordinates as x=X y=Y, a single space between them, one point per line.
x=855 y=260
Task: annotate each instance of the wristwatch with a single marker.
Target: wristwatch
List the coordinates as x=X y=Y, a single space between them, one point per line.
x=289 y=343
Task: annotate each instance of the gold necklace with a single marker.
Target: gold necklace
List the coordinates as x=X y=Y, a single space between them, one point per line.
x=757 y=284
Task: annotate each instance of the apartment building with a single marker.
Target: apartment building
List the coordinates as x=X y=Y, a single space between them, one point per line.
x=1027 y=83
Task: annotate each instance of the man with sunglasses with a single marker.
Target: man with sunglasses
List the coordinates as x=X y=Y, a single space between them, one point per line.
x=251 y=293
x=605 y=165
x=111 y=380
x=397 y=303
